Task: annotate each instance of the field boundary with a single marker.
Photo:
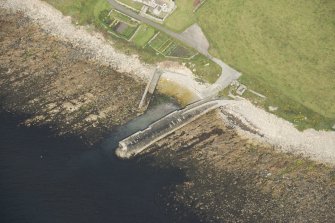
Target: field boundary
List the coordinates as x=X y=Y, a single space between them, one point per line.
x=198 y=6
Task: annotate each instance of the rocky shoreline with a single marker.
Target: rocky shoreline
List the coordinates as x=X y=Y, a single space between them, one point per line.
x=234 y=174
x=59 y=85
x=232 y=178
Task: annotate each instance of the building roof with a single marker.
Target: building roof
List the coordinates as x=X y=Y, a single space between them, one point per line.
x=158 y=2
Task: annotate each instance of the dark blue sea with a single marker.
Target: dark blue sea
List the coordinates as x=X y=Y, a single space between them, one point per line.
x=50 y=179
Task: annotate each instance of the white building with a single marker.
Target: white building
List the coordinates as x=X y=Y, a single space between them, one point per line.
x=159 y=6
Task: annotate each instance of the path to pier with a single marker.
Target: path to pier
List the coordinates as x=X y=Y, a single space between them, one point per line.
x=149 y=90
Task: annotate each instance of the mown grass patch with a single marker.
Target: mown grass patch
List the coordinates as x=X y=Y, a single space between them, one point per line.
x=143 y=35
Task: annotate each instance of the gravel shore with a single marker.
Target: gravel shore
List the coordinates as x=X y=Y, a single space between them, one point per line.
x=317 y=145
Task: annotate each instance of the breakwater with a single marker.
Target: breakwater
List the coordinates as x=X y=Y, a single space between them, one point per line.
x=141 y=140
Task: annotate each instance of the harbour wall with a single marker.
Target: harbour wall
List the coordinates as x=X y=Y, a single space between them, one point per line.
x=141 y=140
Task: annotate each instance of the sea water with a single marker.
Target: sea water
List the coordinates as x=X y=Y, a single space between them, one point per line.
x=46 y=179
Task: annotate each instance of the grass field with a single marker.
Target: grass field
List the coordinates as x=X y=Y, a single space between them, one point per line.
x=283 y=46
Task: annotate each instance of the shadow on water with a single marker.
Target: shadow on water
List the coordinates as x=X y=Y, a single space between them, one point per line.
x=48 y=179
x=141 y=122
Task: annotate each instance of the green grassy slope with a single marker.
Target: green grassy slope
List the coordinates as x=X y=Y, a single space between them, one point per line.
x=284 y=45
x=84 y=11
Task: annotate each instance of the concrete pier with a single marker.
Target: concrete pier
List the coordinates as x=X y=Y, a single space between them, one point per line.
x=149 y=90
x=141 y=140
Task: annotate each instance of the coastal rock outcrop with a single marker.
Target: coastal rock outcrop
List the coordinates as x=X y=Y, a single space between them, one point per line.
x=59 y=84
x=232 y=178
